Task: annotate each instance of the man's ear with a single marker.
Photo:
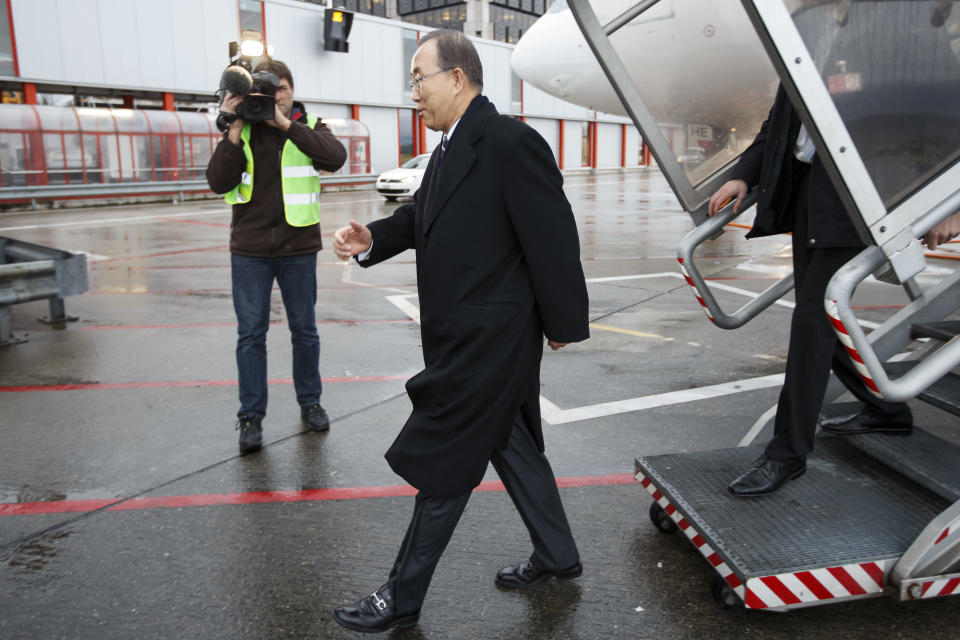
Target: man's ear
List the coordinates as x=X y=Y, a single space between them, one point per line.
x=459 y=79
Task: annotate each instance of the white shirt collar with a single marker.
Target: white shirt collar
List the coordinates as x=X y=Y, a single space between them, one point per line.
x=452 y=127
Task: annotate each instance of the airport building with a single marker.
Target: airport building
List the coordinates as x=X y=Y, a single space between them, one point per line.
x=114 y=96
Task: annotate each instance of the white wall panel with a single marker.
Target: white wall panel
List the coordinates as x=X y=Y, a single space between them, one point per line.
x=633 y=146
x=188 y=50
x=539 y=103
x=549 y=130
x=608 y=145
x=496 y=74
x=80 y=37
x=118 y=42
x=37 y=30
x=154 y=42
x=384 y=137
x=218 y=32
x=326 y=110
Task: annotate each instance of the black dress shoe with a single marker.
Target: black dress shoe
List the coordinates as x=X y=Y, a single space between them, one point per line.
x=867 y=421
x=374 y=613
x=525 y=575
x=766 y=477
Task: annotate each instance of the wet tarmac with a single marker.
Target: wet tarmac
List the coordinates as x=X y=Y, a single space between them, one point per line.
x=125 y=511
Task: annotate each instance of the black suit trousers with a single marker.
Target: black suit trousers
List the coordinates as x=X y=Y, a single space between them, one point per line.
x=530 y=483
x=814 y=347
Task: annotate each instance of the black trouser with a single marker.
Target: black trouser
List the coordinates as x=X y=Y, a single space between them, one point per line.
x=814 y=347
x=529 y=481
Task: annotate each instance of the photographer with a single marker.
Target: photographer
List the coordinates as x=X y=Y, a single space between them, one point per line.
x=267 y=169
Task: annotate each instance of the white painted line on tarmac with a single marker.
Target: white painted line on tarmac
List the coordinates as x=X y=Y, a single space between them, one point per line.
x=768 y=415
x=347 y=278
x=713 y=285
x=403 y=303
x=555 y=415
x=754 y=431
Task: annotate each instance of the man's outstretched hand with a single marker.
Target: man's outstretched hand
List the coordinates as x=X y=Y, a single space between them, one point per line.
x=351 y=241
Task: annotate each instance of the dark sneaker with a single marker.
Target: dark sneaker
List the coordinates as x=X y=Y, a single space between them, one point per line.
x=314 y=418
x=251 y=433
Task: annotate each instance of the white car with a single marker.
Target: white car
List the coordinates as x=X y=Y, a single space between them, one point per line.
x=404 y=180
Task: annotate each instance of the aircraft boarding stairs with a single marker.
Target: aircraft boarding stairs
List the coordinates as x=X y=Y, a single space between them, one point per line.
x=874 y=514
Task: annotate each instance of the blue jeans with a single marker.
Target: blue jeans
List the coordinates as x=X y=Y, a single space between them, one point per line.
x=252 y=281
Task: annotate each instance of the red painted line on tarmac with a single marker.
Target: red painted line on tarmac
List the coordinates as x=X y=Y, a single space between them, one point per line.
x=219 y=247
x=200 y=325
x=94 y=267
x=193 y=292
x=261 y=497
x=184 y=383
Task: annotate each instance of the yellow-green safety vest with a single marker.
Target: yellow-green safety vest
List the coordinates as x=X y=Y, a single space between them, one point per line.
x=300 y=181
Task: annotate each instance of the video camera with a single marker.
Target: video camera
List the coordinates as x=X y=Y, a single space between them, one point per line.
x=258 y=91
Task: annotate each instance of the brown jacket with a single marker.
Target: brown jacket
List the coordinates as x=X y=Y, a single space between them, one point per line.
x=259 y=228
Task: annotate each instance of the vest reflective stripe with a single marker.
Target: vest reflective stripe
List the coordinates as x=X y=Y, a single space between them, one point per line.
x=298 y=172
x=299 y=180
x=300 y=199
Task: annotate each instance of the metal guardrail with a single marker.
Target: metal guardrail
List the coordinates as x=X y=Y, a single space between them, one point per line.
x=937 y=303
x=47 y=192
x=32 y=272
x=711 y=228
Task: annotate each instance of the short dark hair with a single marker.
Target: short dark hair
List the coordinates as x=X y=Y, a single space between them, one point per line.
x=455 y=50
x=277 y=68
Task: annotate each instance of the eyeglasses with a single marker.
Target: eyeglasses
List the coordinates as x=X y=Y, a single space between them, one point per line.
x=418 y=80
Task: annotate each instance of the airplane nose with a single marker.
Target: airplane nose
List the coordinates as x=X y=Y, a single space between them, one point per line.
x=549 y=50
x=554 y=57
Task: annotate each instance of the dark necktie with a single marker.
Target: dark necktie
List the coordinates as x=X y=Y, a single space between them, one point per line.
x=443 y=147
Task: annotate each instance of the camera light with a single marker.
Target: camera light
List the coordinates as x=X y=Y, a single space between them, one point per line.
x=251 y=48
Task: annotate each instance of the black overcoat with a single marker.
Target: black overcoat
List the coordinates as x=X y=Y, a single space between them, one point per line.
x=498 y=266
x=768 y=163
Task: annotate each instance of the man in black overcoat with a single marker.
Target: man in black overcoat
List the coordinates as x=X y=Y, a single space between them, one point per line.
x=498 y=267
x=795 y=194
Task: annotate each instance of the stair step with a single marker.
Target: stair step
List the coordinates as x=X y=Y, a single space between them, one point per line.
x=943 y=394
x=945 y=330
x=923 y=457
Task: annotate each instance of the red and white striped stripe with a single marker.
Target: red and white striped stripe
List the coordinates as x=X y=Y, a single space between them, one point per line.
x=941 y=587
x=841 y=331
x=686 y=277
x=943 y=535
x=783 y=590
x=816 y=585
x=695 y=537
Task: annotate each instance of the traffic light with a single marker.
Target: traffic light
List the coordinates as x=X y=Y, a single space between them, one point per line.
x=336 y=28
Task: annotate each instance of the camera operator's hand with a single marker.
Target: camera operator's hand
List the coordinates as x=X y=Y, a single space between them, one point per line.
x=279 y=121
x=229 y=105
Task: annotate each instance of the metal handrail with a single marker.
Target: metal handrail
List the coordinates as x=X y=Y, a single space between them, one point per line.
x=868 y=364
x=945 y=297
x=703 y=232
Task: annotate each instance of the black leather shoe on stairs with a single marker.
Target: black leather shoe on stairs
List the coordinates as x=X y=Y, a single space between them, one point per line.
x=866 y=421
x=525 y=575
x=766 y=477
x=374 y=613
